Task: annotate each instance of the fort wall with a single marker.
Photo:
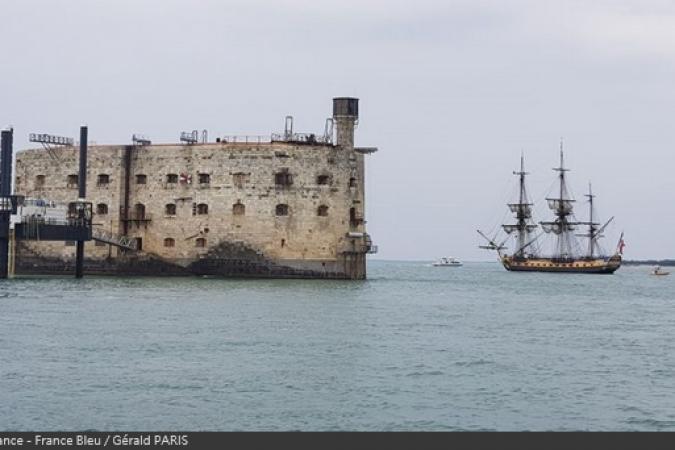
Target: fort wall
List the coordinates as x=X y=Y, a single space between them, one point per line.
x=280 y=209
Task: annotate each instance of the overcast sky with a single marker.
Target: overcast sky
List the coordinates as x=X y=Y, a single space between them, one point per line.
x=451 y=93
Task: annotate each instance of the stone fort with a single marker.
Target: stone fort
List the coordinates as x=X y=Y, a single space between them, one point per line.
x=289 y=206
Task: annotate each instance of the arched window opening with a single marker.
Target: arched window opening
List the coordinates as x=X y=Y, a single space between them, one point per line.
x=202 y=209
x=141 y=178
x=239 y=179
x=72 y=210
x=355 y=219
x=238 y=209
x=170 y=209
x=103 y=179
x=169 y=242
x=281 y=209
x=283 y=178
x=172 y=178
x=40 y=181
x=204 y=178
x=72 y=181
x=352 y=182
x=101 y=209
x=322 y=211
x=139 y=211
x=200 y=242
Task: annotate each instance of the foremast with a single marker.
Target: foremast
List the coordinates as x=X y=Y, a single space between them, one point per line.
x=523 y=215
x=562 y=207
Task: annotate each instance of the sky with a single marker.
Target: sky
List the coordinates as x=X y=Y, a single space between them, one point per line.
x=451 y=92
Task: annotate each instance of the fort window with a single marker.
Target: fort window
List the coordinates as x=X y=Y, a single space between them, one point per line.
x=72 y=210
x=202 y=209
x=71 y=181
x=323 y=179
x=101 y=209
x=238 y=209
x=322 y=211
x=172 y=178
x=39 y=181
x=139 y=211
x=204 y=178
x=352 y=182
x=200 y=243
x=283 y=178
x=141 y=179
x=170 y=209
x=282 y=209
x=169 y=242
x=354 y=218
x=139 y=244
x=103 y=179
x=239 y=179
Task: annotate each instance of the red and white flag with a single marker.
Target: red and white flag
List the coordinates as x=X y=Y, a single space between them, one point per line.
x=621 y=245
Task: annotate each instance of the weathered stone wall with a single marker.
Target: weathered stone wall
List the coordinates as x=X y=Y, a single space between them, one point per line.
x=327 y=181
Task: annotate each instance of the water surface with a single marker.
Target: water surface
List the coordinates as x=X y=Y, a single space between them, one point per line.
x=413 y=348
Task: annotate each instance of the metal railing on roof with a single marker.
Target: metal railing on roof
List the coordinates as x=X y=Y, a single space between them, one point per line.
x=245 y=139
x=302 y=138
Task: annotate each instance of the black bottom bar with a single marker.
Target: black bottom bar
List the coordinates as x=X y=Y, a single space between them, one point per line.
x=341 y=441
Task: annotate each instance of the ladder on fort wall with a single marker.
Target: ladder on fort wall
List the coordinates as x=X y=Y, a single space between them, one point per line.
x=117 y=240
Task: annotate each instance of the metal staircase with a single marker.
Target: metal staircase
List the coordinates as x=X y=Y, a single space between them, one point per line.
x=98 y=234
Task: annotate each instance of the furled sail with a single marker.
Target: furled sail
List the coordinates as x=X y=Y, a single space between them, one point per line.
x=558 y=227
x=525 y=209
x=561 y=205
x=510 y=228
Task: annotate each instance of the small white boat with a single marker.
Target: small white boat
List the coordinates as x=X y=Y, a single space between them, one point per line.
x=448 y=261
x=657 y=271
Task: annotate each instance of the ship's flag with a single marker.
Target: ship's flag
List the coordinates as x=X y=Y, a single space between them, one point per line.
x=621 y=245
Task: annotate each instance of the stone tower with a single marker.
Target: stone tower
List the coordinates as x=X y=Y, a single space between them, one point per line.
x=345 y=114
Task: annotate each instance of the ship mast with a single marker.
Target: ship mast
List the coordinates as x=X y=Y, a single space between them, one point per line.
x=594 y=231
x=523 y=214
x=592 y=226
x=562 y=208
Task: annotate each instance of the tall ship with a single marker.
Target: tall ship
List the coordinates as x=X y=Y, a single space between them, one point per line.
x=567 y=254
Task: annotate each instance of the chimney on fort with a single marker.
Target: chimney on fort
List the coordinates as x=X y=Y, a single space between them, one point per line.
x=345 y=114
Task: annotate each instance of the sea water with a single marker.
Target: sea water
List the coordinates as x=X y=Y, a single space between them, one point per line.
x=414 y=347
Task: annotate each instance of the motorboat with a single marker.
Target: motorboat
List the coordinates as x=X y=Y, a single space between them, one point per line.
x=448 y=261
x=657 y=271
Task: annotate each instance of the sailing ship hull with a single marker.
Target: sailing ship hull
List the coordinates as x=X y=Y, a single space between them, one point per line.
x=580 y=265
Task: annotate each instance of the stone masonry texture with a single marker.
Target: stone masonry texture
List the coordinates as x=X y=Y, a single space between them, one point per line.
x=272 y=209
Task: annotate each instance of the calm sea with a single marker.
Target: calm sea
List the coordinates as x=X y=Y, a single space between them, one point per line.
x=413 y=348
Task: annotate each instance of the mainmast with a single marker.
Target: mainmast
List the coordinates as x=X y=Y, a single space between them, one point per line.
x=523 y=214
x=562 y=207
x=592 y=226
